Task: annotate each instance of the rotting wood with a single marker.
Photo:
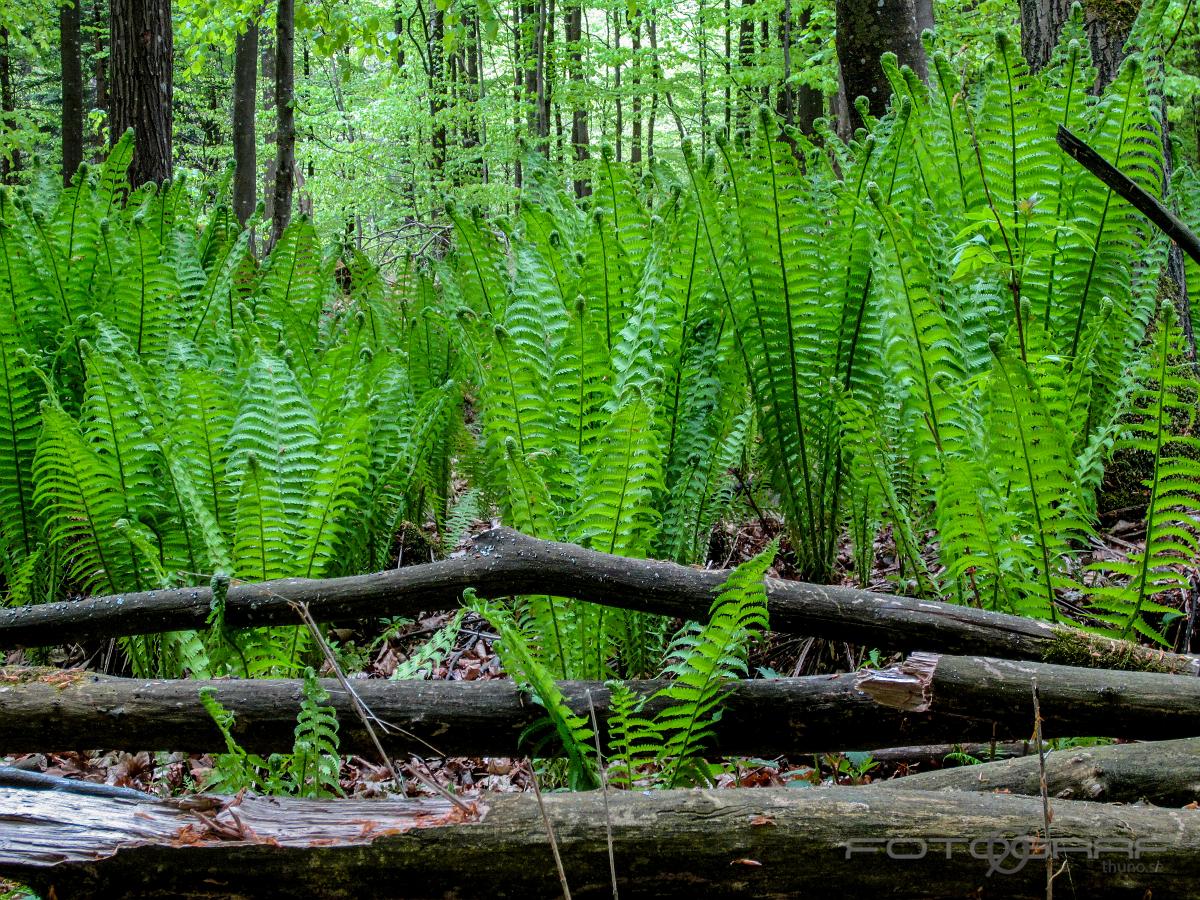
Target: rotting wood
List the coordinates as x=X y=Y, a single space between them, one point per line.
x=745 y=843
x=503 y=562
x=1164 y=773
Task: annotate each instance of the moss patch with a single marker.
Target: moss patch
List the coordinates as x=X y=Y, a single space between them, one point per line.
x=1078 y=648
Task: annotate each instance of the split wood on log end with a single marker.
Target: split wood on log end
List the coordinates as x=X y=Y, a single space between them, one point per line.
x=907 y=686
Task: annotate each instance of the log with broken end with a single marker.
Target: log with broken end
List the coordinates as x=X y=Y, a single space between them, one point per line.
x=502 y=563
x=769 y=842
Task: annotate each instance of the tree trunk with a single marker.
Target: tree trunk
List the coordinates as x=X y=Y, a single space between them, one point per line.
x=1164 y=773
x=579 y=115
x=245 y=104
x=745 y=61
x=9 y=165
x=267 y=73
x=867 y=29
x=72 y=88
x=635 y=80
x=83 y=840
x=1108 y=25
x=437 y=87
x=141 y=54
x=503 y=562
x=925 y=20
x=285 y=116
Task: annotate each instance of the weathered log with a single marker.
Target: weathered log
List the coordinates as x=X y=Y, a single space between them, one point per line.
x=502 y=562
x=935 y=756
x=965 y=698
x=744 y=843
x=45 y=710
x=1165 y=773
x=1146 y=705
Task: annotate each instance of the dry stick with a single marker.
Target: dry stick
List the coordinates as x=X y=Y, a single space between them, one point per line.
x=1037 y=736
x=366 y=716
x=612 y=863
x=562 y=873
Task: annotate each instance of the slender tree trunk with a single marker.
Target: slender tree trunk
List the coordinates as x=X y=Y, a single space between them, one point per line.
x=866 y=29
x=437 y=87
x=617 y=83
x=9 y=165
x=656 y=70
x=72 y=89
x=745 y=60
x=141 y=51
x=285 y=134
x=579 y=116
x=728 y=20
x=635 y=103
x=799 y=105
x=245 y=104
x=267 y=51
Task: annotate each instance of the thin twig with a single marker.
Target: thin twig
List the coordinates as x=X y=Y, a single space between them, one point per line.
x=366 y=716
x=1037 y=736
x=562 y=873
x=612 y=863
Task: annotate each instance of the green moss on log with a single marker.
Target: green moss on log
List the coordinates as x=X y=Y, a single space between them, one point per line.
x=1071 y=647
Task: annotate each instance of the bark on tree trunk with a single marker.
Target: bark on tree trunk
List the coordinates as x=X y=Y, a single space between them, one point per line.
x=78 y=841
x=285 y=117
x=101 y=57
x=1107 y=23
x=635 y=102
x=866 y=29
x=503 y=562
x=72 y=88
x=579 y=116
x=245 y=104
x=141 y=56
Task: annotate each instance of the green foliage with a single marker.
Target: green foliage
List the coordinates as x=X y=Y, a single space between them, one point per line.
x=310 y=770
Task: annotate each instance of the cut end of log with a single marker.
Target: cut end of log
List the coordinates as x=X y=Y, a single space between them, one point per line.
x=908 y=686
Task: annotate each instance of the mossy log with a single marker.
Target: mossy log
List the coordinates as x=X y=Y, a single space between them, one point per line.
x=503 y=562
x=1164 y=773
x=780 y=842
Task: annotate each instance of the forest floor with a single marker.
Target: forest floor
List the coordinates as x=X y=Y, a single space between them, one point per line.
x=365 y=655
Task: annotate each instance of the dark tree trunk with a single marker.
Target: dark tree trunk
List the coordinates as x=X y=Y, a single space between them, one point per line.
x=867 y=29
x=579 y=116
x=437 y=87
x=1108 y=25
x=9 y=165
x=72 y=89
x=245 y=103
x=800 y=105
x=267 y=50
x=745 y=60
x=285 y=130
x=141 y=53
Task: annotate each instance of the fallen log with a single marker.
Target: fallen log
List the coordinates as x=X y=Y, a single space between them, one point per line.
x=744 y=843
x=928 y=698
x=502 y=563
x=936 y=756
x=1146 y=705
x=1164 y=773
x=46 y=710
